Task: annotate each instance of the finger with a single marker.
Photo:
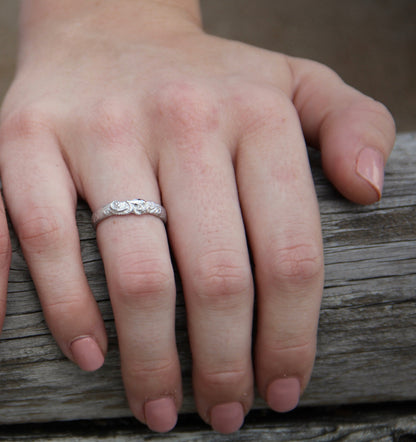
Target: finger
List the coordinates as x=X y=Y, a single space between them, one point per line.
x=208 y=239
x=41 y=201
x=5 y=258
x=355 y=133
x=141 y=284
x=282 y=221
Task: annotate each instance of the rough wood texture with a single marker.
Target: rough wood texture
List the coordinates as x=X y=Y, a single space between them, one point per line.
x=366 y=345
x=378 y=423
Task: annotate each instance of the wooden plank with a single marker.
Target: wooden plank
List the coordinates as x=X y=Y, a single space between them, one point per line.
x=385 y=423
x=366 y=342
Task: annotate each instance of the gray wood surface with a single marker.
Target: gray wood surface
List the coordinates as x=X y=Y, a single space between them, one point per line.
x=351 y=424
x=367 y=333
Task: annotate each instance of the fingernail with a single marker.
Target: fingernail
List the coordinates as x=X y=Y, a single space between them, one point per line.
x=283 y=394
x=161 y=414
x=370 y=166
x=87 y=354
x=227 y=418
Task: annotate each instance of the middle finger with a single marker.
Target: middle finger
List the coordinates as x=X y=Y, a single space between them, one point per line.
x=208 y=240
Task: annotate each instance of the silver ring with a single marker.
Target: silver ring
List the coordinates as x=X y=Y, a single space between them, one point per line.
x=130 y=207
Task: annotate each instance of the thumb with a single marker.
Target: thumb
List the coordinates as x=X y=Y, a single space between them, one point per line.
x=354 y=132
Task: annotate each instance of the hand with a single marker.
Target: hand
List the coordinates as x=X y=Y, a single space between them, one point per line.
x=134 y=100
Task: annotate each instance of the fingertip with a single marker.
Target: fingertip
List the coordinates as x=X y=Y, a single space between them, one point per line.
x=161 y=414
x=283 y=394
x=357 y=174
x=354 y=150
x=227 y=418
x=87 y=353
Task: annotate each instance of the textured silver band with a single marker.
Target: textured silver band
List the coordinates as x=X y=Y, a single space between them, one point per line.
x=130 y=207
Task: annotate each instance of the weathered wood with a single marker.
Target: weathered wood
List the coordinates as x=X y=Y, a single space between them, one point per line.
x=366 y=343
x=383 y=423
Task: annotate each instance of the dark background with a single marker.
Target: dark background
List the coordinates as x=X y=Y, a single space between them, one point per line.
x=370 y=43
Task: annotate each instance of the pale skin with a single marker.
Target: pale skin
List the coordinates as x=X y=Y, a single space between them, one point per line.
x=131 y=99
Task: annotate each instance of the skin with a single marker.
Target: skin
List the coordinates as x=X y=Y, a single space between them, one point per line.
x=119 y=101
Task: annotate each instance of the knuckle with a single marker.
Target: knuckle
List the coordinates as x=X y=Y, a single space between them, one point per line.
x=235 y=375
x=161 y=368
x=298 y=263
x=383 y=120
x=222 y=280
x=300 y=344
x=379 y=109
x=187 y=111
x=296 y=354
x=64 y=307
x=378 y=117
x=292 y=355
x=44 y=229
x=143 y=280
x=25 y=124
x=112 y=121
x=266 y=109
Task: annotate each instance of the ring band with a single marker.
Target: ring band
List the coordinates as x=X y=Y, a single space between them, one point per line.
x=130 y=207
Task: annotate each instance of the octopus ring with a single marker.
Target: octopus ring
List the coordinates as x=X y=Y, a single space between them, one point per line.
x=130 y=207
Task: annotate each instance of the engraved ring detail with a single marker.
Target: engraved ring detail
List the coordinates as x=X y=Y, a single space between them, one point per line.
x=130 y=207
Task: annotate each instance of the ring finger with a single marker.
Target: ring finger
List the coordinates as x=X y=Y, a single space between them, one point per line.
x=141 y=284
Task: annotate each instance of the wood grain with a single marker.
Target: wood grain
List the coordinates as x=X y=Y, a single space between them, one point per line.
x=367 y=333
x=382 y=423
